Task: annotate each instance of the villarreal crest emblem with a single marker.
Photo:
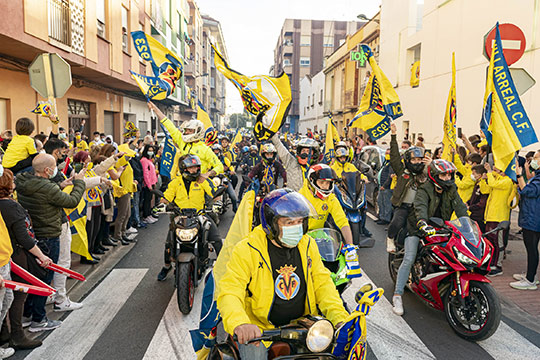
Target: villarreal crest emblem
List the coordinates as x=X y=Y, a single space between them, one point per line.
x=287 y=283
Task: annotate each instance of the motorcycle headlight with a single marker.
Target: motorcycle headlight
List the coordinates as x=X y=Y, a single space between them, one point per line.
x=462 y=258
x=486 y=259
x=320 y=336
x=186 y=234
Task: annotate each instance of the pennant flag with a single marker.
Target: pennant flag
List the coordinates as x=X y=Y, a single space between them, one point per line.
x=210 y=135
x=167 y=155
x=77 y=223
x=415 y=74
x=449 y=127
x=166 y=67
x=131 y=130
x=329 y=143
x=236 y=140
x=266 y=97
x=508 y=126
x=43 y=108
x=335 y=132
x=204 y=338
x=379 y=104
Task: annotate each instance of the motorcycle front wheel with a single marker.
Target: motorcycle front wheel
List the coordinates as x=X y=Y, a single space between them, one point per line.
x=478 y=317
x=185 y=286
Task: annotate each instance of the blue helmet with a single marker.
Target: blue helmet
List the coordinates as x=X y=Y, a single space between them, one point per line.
x=284 y=203
x=245 y=149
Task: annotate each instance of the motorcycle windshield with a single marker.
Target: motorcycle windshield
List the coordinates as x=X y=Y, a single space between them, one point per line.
x=329 y=243
x=352 y=183
x=469 y=231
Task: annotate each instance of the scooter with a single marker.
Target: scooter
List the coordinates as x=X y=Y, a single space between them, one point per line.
x=449 y=274
x=313 y=337
x=351 y=193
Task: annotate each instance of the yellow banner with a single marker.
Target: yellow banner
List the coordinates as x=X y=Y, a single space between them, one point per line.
x=450 y=116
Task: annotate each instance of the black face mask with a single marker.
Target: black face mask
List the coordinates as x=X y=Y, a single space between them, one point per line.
x=303 y=156
x=415 y=168
x=446 y=184
x=61 y=159
x=253 y=153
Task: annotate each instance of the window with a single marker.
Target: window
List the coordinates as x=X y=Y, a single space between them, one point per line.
x=328 y=41
x=321 y=98
x=59 y=21
x=313 y=100
x=305 y=40
x=125 y=30
x=100 y=15
x=304 y=61
x=286 y=62
x=308 y=101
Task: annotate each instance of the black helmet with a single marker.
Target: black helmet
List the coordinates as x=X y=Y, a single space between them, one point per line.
x=186 y=162
x=321 y=172
x=313 y=146
x=414 y=152
x=439 y=167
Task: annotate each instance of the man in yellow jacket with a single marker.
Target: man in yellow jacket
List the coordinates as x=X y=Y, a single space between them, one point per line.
x=194 y=198
x=342 y=163
x=188 y=141
x=276 y=275
x=500 y=188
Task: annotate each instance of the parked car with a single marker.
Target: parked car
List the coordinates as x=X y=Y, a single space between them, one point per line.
x=370 y=162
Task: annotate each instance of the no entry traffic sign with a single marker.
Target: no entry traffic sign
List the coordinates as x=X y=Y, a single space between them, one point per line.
x=513 y=42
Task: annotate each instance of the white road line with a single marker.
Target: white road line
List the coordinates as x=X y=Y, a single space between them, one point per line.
x=373 y=217
x=507 y=344
x=388 y=335
x=171 y=340
x=82 y=328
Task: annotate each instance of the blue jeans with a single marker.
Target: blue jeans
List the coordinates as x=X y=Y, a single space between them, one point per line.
x=35 y=305
x=135 y=218
x=385 y=204
x=232 y=195
x=411 y=246
x=253 y=352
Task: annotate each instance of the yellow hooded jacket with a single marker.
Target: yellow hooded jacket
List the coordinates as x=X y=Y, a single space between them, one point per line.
x=176 y=191
x=330 y=205
x=500 y=189
x=246 y=291
x=347 y=167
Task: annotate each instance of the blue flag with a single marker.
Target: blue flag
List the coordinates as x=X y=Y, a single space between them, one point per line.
x=167 y=156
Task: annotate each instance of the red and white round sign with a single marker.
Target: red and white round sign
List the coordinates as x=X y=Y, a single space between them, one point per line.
x=513 y=42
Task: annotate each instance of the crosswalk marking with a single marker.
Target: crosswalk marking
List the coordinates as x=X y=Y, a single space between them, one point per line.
x=81 y=329
x=388 y=335
x=507 y=344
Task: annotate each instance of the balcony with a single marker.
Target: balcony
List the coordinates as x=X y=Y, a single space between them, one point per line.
x=189 y=69
x=60 y=21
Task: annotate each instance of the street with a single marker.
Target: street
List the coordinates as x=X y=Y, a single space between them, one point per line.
x=130 y=315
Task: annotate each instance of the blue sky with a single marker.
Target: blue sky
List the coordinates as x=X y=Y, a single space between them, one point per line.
x=251 y=29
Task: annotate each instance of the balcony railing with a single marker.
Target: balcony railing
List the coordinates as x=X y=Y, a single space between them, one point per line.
x=60 y=21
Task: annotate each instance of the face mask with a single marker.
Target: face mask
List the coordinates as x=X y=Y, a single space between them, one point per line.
x=534 y=164
x=150 y=153
x=387 y=157
x=473 y=178
x=62 y=136
x=97 y=139
x=78 y=137
x=253 y=153
x=55 y=171
x=292 y=235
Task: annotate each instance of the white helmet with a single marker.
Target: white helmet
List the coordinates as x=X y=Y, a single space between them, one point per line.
x=195 y=125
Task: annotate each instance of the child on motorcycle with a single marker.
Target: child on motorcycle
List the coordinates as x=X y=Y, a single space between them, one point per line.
x=229 y=171
x=268 y=169
x=276 y=275
x=438 y=197
x=319 y=190
x=410 y=176
x=188 y=192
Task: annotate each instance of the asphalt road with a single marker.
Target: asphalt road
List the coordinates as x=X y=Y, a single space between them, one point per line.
x=130 y=315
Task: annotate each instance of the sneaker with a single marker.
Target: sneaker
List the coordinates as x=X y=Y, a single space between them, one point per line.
x=6 y=352
x=50 y=300
x=390 y=246
x=67 y=305
x=522 y=276
x=26 y=321
x=130 y=237
x=163 y=273
x=495 y=272
x=398 y=305
x=132 y=230
x=523 y=284
x=142 y=225
x=150 y=220
x=44 y=325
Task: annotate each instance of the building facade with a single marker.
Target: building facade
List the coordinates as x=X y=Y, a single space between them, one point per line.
x=429 y=31
x=347 y=73
x=300 y=50
x=312 y=103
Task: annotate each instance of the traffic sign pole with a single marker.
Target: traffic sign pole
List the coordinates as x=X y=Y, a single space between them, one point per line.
x=50 y=88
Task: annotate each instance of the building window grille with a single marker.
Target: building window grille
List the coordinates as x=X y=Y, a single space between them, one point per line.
x=60 y=21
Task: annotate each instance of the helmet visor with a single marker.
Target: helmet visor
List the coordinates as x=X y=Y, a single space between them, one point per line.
x=294 y=205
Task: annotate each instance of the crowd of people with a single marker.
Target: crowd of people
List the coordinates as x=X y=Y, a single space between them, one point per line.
x=113 y=187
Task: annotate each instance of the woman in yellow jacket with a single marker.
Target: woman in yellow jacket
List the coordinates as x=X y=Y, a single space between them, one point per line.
x=500 y=188
x=276 y=275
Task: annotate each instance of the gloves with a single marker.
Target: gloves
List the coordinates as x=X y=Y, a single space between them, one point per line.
x=425 y=228
x=351 y=260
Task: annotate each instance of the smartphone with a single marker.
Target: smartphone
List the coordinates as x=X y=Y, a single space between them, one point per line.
x=459 y=133
x=427 y=152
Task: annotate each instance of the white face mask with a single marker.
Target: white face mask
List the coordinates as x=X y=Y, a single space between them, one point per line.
x=473 y=178
x=55 y=171
x=291 y=235
x=534 y=164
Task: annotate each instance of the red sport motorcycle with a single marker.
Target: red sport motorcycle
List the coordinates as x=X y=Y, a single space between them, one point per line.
x=449 y=274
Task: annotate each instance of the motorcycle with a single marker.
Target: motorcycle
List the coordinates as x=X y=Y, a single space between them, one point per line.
x=330 y=242
x=449 y=274
x=313 y=337
x=351 y=193
x=221 y=201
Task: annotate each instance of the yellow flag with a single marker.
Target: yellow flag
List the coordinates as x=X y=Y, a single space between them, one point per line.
x=77 y=223
x=449 y=127
x=335 y=132
x=329 y=142
x=415 y=74
x=266 y=97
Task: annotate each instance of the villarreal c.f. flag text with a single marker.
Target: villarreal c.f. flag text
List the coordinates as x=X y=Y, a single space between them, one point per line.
x=266 y=97
x=449 y=127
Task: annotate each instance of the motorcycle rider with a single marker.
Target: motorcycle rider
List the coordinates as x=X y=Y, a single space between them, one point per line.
x=188 y=141
x=229 y=171
x=319 y=191
x=410 y=176
x=249 y=161
x=307 y=154
x=276 y=256
x=342 y=163
x=188 y=192
x=230 y=154
x=437 y=197
x=268 y=169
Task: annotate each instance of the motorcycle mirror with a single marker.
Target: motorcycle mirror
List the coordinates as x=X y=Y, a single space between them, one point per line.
x=437 y=221
x=504 y=225
x=373 y=164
